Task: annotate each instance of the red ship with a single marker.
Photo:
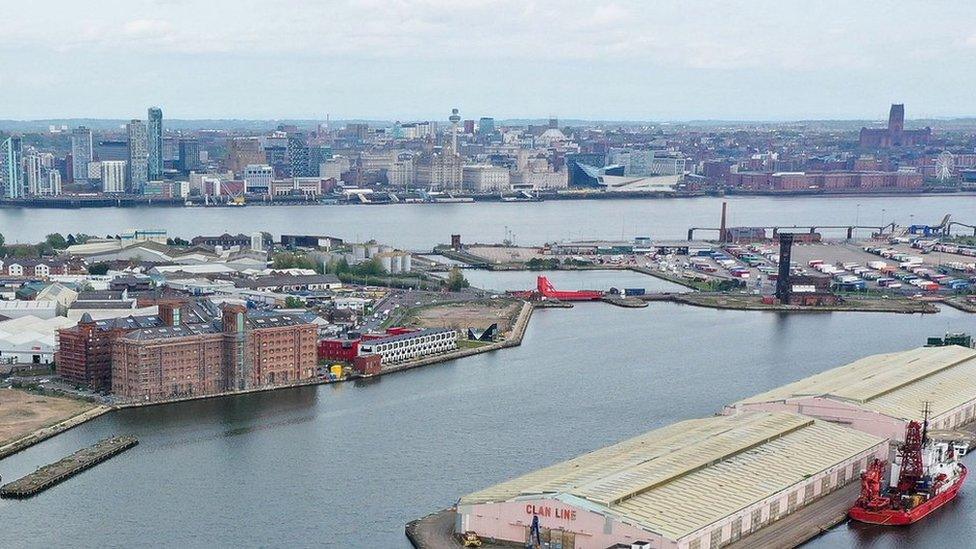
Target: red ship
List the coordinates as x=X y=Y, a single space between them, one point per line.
x=924 y=477
x=545 y=289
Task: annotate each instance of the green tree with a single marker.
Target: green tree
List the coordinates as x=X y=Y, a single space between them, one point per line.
x=373 y=267
x=292 y=302
x=456 y=281
x=56 y=241
x=98 y=269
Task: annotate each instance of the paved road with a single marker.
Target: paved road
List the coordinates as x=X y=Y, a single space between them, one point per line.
x=805 y=523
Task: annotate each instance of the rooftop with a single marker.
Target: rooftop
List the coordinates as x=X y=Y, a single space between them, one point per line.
x=408 y=335
x=894 y=384
x=681 y=478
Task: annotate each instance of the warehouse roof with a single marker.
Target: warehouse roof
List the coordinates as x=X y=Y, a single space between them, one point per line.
x=681 y=478
x=893 y=384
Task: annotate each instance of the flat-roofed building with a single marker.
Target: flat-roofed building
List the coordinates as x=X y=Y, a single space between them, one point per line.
x=411 y=345
x=880 y=394
x=695 y=484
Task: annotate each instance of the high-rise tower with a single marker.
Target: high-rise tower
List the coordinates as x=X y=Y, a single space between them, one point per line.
x=81 y=153
x=11 y=167
x=155 y=144
x=138 y=156
x=454 y=118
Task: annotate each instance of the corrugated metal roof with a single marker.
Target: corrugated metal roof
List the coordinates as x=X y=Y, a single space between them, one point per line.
x=681 y=478
x=894 y=384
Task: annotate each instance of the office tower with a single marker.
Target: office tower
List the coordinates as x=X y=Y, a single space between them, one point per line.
x=33 y=172
x=277 y=158
x=11 y=169
x=138 y=156
x=189 y=155
x=242 y=151
x=258 y=178
x=298 y=156
x=113 y=176
x=318 y=154
x=81 y=153
x=486 y=126
x=155 y=143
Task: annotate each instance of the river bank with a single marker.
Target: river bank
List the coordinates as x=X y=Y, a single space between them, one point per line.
x=43 y=433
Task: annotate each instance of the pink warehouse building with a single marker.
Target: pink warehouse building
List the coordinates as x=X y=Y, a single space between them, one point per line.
x=880 y=394
x=696 y=484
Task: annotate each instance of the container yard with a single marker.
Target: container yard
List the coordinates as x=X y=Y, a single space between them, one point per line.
x=59 y=471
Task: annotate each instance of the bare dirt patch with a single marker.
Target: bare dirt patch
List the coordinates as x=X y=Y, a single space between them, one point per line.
x=22 y=413
x=461 y=316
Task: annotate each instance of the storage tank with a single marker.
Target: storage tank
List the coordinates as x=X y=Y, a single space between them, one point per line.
x=385 y=262
x=405 y=263
x=359 y=252
x=394 y=263
x=385 y=249
x=372 y=250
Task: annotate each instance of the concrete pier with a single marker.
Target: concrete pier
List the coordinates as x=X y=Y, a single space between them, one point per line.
x=61 y=470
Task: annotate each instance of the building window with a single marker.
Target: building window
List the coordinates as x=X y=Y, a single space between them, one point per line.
x=756 y=520
x=715 y=541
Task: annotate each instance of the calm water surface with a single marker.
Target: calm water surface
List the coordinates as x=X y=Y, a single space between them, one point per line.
x=347 y=465
x=421 y=226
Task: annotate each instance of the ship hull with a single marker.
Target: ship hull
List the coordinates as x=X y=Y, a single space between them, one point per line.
x=901 y=517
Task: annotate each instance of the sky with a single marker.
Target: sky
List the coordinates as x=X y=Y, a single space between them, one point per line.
x=416 y=59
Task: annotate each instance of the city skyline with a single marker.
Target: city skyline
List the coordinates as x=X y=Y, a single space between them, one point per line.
x=407 y=60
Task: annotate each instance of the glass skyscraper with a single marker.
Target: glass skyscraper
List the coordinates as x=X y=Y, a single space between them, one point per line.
x=155 y=144
x=11 y=168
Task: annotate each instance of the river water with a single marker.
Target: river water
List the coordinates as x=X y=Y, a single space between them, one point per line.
x=421 y=226
x=347 y=465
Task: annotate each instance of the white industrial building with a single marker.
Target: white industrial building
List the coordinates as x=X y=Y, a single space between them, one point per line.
x=880 y=394
x=483 y=178
x=697 y=484
x=30 y=339
x=403 y=347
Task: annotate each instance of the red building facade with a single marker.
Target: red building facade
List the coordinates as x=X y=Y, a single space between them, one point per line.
x=238 y=352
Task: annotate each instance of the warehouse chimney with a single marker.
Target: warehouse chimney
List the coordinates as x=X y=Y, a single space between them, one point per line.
x=783 y=284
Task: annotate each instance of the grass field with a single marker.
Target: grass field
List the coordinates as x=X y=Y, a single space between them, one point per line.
x=22 y=413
